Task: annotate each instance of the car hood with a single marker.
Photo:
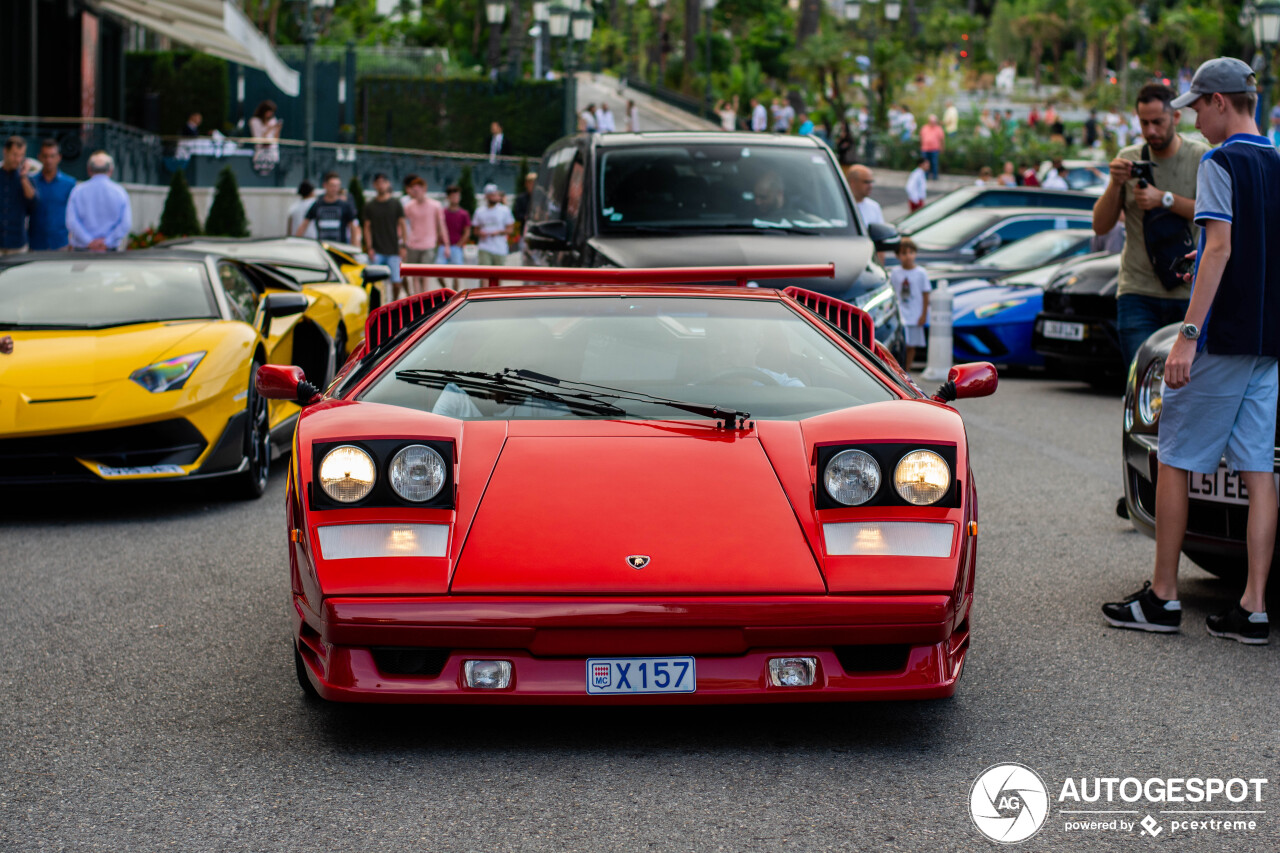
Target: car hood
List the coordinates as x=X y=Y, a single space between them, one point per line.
x=536 y=530
x=56 y=360
x=850 y=254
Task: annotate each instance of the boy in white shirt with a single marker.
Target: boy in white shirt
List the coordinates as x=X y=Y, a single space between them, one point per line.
x=917 y=190
x=912 y=286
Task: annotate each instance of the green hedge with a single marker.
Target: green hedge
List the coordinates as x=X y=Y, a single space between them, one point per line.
x=454 y=114
x=185 y=82
x=966 y=152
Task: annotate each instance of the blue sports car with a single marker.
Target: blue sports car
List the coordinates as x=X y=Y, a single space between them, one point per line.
x=993 y=320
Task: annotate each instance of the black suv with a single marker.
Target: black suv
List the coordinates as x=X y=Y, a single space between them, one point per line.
x=676 y=199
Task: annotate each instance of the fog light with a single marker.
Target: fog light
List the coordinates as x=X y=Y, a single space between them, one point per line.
x=488 y=674
x=792 y=672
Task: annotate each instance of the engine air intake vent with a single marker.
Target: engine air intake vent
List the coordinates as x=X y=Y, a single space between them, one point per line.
x=873 y=658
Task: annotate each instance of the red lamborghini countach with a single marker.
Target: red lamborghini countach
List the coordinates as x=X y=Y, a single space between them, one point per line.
x=628 y=486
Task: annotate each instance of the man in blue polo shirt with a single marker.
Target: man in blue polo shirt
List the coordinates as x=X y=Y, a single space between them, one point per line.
x=1220 y=375
x=48 y=229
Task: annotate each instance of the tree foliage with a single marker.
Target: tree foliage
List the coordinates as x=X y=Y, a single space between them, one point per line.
x=226 y=214
x=179 y=218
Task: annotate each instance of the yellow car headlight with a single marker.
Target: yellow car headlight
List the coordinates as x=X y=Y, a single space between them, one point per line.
x=168 y=375
x=347 y=474
x=922 y=477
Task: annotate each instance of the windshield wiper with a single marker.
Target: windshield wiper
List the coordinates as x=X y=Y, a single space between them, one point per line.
x=495 y=385
x=725 y=417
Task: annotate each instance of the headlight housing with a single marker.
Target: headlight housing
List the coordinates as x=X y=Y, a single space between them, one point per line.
x=417 y=473
x=878 y=303
x=347 y=474
x=168 y=375
x=922 y=477
x=1151 y=392
x=852 y=477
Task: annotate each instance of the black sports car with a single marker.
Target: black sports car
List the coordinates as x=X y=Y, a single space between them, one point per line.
x=1076 y=329
x=1218 y=511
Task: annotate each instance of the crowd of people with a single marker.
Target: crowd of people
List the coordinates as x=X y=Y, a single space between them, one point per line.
x=44 y=209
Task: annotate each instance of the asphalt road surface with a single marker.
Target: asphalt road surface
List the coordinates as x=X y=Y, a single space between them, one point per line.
x=148 y=701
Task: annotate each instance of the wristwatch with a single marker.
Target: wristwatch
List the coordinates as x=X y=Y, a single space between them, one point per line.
x=1166 y=200
x=1190 y=331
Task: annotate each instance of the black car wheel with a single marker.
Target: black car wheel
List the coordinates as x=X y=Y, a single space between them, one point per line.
x=251 y=482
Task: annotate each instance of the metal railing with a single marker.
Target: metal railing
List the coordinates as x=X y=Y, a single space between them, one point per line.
x=138 y=155
x=694 y=106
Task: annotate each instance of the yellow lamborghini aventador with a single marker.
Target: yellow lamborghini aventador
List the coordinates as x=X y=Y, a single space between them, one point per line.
x=140 y=365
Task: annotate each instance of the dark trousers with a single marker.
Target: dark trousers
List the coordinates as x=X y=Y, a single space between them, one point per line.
x=932 y=157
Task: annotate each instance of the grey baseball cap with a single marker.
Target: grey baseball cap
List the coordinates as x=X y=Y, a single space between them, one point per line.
x=490 y=189
x=1224 y=74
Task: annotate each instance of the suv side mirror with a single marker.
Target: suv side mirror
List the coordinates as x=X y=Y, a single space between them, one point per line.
x=285 y=382
x=885 y=236
x=375 y=272
x=986 y=244
x=549 y=236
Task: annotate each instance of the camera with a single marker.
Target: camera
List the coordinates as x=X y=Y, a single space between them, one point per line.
x=1142 y=170
x=1184 y=266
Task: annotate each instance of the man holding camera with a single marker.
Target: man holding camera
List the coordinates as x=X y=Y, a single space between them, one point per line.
x=1154 y=183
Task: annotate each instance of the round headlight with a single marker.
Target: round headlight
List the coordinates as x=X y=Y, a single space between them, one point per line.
x=417 y=473
x=347 y=474
x=922 y=477
x=852 y=477
x=1151 y=392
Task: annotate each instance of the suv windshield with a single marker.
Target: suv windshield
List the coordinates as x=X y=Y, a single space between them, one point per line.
x=722 y=187
x=751 y=355
x=94 y=294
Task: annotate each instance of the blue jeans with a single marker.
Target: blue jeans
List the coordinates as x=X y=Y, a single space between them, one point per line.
x=392 y=262
x=1138 y=317
x=451 y=255
x=932 y=157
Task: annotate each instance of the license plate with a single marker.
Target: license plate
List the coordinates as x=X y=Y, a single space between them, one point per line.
x=1224 y=487
x=640 y=675
x=1064 y=331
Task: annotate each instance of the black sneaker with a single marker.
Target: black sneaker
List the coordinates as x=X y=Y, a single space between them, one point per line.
x=1235 y=624
x=1143 y=611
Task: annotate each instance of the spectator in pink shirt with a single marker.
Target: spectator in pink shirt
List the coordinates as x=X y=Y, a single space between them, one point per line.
x=427 y=231
x=932 y=139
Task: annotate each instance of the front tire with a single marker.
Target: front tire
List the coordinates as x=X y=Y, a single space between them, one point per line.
x=250 y=483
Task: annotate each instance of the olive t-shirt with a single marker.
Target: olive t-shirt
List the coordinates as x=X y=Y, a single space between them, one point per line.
x=1176 y=175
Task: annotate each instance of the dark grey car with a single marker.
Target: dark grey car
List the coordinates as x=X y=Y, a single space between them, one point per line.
x=677 y=199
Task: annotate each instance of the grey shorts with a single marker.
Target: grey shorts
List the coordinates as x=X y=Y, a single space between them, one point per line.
x=913 y=335
x=420 y=256
x=1228 y=407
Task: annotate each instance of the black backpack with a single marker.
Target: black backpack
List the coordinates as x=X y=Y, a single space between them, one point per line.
x=1168 y=240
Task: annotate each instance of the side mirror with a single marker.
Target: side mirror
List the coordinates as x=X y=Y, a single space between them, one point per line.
x=986 y=244
x=285 y=382
x=975 y=379
x=549 y=236
x=375 y=272
x=885 y=237
x=281 y=305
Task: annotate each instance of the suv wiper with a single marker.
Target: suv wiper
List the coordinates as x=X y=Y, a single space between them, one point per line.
x=494 y=385
x=731 y=418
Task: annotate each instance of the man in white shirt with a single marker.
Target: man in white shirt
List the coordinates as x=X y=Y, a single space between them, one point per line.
x=1054 y=179
x=493 y=224
x=298 y=212
x=587 y=118
x=604 y=119
x=759 y=116
x=495 y=141
x=861 y=181
x=917 y=190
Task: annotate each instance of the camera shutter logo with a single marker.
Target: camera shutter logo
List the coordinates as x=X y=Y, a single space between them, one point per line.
x=1009 y=803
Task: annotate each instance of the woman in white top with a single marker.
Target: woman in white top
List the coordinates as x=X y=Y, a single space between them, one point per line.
x=633 y=117
x=728 y=112
x=262 y=127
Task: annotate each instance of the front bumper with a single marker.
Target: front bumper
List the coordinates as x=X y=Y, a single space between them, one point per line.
x=1100 y=347
x=867 y=647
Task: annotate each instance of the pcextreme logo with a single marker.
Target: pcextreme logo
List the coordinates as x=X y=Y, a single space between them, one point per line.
x=1010 y=802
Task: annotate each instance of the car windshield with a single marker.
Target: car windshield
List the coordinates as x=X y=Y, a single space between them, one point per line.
x=722 y=187
x=751 y=355
x=952 y=231
x=937 y=211
x=296 y=252
x=1086 y=176
x=1033 y=251
x=78 y=293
